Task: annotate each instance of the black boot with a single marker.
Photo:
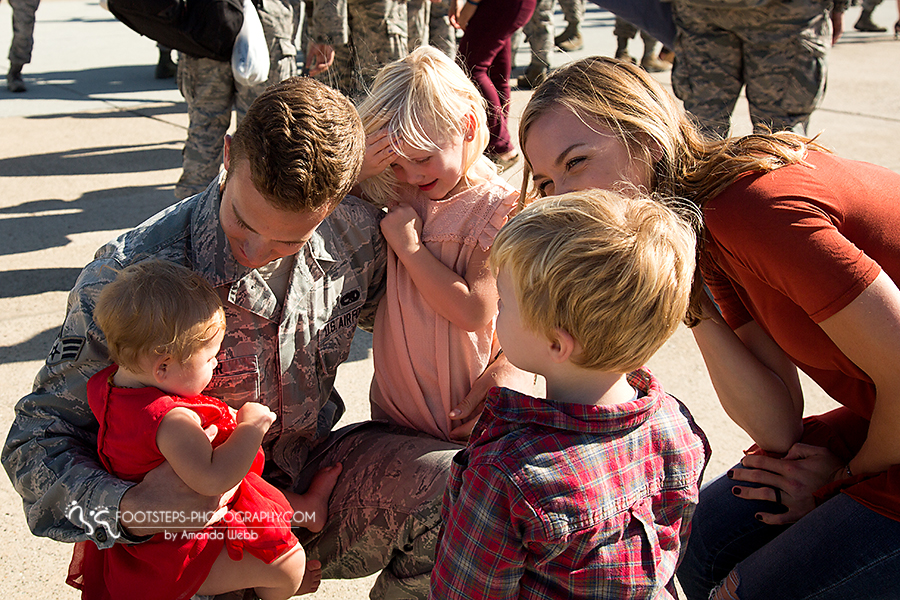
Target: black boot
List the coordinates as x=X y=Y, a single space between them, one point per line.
x=14 y=81
x=165 y=68
x=865 y=23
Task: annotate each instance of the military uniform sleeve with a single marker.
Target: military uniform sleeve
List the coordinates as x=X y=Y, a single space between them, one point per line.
x=330 y=22
x=50 y=453
x=378 y=266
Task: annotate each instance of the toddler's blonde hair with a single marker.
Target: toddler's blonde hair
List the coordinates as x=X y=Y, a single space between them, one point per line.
x=614 y=272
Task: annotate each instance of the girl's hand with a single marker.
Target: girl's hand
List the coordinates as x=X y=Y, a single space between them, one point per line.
x=379 y=154
x=256 y=415
x=802 y=471
x=469 y=409
x=402 y=228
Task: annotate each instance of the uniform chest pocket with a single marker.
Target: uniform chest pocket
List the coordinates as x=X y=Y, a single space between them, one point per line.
x=236 y=381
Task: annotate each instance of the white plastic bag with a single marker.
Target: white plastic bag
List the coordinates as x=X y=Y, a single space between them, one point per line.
x=250 y=56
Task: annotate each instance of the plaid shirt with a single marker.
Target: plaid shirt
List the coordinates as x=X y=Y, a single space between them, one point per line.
x=554 y=500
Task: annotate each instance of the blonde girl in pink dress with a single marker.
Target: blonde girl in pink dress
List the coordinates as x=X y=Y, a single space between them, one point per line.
x=434 y=329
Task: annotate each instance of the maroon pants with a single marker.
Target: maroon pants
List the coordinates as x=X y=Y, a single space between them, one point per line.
x=486 y=53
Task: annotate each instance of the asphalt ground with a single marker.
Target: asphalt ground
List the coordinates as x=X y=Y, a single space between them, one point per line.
x=94 y=147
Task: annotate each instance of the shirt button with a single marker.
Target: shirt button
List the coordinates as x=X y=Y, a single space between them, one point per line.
x=100 y=536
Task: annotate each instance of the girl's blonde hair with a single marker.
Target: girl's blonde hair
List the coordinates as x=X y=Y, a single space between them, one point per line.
x=157 y=308
x=423 y=100
x=658 y=132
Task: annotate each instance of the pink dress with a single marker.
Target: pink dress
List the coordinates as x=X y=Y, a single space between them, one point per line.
x=424 y=364
x=258 y=520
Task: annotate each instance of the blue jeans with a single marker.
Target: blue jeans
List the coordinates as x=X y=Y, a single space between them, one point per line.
x=841 y=550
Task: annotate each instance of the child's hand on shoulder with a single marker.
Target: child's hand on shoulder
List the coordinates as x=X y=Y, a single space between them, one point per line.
x=402 y=228
x=379 y=154
x=256 y=415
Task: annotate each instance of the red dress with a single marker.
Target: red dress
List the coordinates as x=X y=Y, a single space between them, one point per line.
x=258 y=520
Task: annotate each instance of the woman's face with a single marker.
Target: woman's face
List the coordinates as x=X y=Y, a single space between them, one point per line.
x=567 y=155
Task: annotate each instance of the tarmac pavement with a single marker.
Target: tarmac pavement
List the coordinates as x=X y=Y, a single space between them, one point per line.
x=94 y=147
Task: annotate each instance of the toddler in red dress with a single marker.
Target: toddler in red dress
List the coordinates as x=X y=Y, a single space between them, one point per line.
x=164 y=325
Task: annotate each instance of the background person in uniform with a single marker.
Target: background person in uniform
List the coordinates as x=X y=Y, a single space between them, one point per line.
x=353 y=39
x=22 y=42
x=211 y=93
x=776 y=49
x=538 y=31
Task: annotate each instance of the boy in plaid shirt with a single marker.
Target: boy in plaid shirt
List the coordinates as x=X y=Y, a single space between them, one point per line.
x=588 y=494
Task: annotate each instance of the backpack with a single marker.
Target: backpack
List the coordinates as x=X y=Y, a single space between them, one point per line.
x=203 y=28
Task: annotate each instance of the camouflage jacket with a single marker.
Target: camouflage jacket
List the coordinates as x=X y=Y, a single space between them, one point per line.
x=331 y=19
x=285 y=358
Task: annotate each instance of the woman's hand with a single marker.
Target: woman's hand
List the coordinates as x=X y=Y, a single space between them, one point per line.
x=379 y=154
x=797 y=476
x=402 y=228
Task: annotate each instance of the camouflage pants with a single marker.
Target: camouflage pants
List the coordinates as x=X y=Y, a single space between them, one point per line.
x=573 y=11
x=777 y=51
x=378 y=35
x=384 y=514
x=418 y=18
x=23 y=31
x=539 y=33
x=441 y=34
x=211 y=92
x=625 y=31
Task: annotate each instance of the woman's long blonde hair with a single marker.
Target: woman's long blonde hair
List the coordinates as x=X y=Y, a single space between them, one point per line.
x=423 y=100
x=657 y=131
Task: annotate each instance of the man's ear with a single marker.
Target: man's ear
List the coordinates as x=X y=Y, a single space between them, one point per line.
x=563 y=346
x=227 y=156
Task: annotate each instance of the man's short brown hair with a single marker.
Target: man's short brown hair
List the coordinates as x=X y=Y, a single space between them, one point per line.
x=304 y=144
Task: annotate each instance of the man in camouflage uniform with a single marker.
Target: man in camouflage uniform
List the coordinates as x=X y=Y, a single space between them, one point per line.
x=283 y=345
x=776 y=48
x=539 y=35
x=353 y=39
x=22 y=42
x=211 y=92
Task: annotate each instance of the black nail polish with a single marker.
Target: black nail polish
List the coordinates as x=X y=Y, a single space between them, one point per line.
x=730 y=474
x=736 y=491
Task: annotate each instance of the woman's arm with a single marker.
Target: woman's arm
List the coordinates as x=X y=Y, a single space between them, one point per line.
x=867 y=331
x=469 y=303
x=757 y=385
x=208 y=471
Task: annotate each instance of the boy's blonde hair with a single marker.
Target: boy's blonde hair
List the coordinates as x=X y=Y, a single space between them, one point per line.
x=423 y=100
x=157 y=308
x=613 y=272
